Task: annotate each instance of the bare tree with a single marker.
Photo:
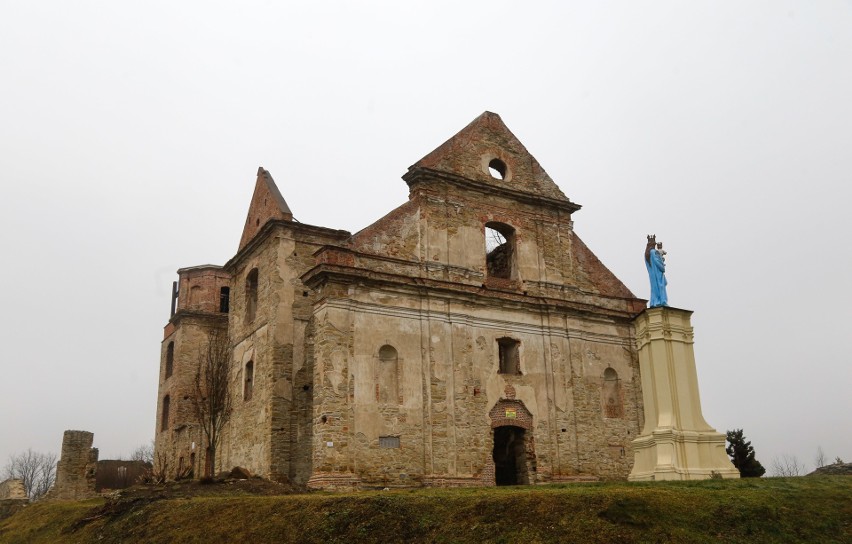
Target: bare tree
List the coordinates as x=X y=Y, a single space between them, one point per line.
x=820 y=459
x=36 y=470
x=160 y=469
x=212 y=399
x=144 y=452
x=787 y=466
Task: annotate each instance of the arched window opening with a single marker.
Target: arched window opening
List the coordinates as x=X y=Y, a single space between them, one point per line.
x=224 y=299
x=510 y=357
x=613 y=406
x=251 y=295
x=497 y=169
x=499 y=250
x=388 y=386
x=164 y=420
x=248 y=386
x=170 y=359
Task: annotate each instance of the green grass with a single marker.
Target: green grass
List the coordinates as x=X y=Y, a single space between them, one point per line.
x=813 y=509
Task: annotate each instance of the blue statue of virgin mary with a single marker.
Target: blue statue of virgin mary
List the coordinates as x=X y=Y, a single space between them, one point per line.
x=656 y=265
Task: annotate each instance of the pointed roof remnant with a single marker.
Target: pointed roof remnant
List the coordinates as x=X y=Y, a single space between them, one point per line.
x=266 y=204
x=486 y=152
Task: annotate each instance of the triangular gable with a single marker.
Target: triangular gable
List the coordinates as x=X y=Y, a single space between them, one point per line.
x=469 y=153
x=266 y=204
x=396 y=234
x=590 y=273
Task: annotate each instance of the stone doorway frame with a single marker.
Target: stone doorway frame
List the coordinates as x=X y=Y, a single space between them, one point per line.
x=510 y=413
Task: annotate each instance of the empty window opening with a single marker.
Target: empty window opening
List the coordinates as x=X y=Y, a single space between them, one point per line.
x=224 y=299
x=251 y=295
x=164 y=420
x=499 y=242
x=510 y=357
x=388 y=390
x=510 y=458
x=388 y=442
x=248 y=386
x=613 y=407
x=497 y=169
x=170 y=359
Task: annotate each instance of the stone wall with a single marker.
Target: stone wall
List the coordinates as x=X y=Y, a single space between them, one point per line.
x=13 y=497
x=77 y=466
x=12 y=489
x=449 y=383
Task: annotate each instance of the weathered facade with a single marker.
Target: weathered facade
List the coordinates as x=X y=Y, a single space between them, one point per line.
x=468 y=337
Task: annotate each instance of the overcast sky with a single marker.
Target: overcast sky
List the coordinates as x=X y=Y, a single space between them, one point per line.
x=131 y=132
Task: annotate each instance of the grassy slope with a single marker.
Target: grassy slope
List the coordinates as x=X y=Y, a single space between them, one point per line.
x=814 y=509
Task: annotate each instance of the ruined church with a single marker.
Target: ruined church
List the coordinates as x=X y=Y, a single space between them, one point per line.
x=467 y=338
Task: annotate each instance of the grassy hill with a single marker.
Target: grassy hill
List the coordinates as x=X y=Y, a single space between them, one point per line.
x=812 y=509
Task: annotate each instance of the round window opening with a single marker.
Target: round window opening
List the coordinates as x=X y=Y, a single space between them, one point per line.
x=497 y=169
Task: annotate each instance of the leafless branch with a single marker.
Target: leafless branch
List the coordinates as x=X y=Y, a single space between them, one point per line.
x=820 y=459
x=212 y=399
x=787 y=466
x=143 y=452
x=36 y=470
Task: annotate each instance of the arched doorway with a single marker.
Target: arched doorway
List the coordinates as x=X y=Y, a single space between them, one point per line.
x=513 y=460
x=510 y=456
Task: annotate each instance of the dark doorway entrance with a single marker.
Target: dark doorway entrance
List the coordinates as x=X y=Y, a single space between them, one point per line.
x=510 y=459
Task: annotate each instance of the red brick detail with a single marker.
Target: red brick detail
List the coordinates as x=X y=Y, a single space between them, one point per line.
x=200 y=288
x=509 y=390
x=502 y=283
x=266 y=204
x=587 y=265
x=509 y=412
x=488 y=136
x=332 y=255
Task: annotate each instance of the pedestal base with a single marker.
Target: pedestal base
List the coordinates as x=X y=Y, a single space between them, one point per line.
x=668 y=454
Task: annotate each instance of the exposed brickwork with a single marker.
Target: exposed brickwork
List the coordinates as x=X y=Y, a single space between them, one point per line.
x=200 y=288
x=267 y=204
x=324 y=409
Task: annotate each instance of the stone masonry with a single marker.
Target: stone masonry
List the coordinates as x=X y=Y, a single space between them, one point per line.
x=76 y=469
x=13 y=497
x=469 y=337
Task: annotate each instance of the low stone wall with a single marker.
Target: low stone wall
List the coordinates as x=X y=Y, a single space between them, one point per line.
x=13 y=497
x=12 y=489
